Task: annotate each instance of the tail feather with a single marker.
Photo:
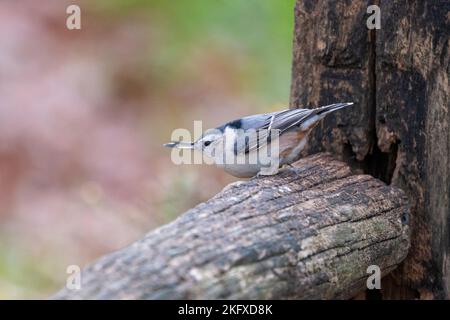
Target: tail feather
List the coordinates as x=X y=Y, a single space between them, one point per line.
x=332 y=107
x=319 y=113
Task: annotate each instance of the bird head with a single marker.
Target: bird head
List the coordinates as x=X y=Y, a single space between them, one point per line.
x=208 y=143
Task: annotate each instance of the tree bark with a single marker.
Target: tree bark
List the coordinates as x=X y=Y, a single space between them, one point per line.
x=309 y=232
x=398 y=130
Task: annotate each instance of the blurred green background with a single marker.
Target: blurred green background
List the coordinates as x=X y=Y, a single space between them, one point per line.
x=85 y=112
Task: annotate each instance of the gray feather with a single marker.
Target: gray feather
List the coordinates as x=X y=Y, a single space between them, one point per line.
x=284 y=121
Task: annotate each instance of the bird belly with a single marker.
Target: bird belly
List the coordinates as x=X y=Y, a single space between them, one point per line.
x=249 y=164
x=290 y=145
x=241 y=170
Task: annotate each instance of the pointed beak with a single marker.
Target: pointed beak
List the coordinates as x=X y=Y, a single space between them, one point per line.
x=180 y=145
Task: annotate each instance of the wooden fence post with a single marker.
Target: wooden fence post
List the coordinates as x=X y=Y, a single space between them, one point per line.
x=399 y=128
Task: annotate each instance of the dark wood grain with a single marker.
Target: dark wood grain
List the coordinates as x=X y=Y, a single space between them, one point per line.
x=309 y=232
x=399 y=128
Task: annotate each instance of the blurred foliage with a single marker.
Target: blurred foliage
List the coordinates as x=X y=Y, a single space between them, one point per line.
x=21 y=276
x=84 y=173
x=259 y=31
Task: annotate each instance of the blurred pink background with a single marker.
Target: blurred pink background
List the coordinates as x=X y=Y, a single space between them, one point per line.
x=84 y=114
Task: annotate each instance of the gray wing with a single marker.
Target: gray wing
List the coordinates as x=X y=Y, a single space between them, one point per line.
x=282 y=121
x=263 y=124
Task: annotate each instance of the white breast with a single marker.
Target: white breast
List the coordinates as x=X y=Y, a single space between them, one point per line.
x=245 y=166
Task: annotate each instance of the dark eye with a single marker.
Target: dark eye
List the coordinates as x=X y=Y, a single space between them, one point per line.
x=206 y=143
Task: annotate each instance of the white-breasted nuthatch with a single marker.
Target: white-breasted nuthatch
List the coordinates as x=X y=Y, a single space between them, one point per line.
x=287 y=129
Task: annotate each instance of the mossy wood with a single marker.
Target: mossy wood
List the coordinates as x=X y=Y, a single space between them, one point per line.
x=309 y=232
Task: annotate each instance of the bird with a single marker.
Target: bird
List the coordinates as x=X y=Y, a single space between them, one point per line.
x=277 y=138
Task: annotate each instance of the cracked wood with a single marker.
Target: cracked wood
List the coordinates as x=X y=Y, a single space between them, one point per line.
x=399 y=128
x=309 y=232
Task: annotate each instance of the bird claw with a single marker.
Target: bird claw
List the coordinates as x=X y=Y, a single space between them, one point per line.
x=268 y=172
x=288 y=166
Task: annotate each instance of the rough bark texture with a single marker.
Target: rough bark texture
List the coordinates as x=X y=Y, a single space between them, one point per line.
x=309 y=232
x=398 y=130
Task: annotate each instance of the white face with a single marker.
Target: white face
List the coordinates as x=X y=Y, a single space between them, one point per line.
x=210 y=142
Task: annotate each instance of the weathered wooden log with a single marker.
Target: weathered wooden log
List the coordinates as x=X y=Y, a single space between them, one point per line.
x=309 y=232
